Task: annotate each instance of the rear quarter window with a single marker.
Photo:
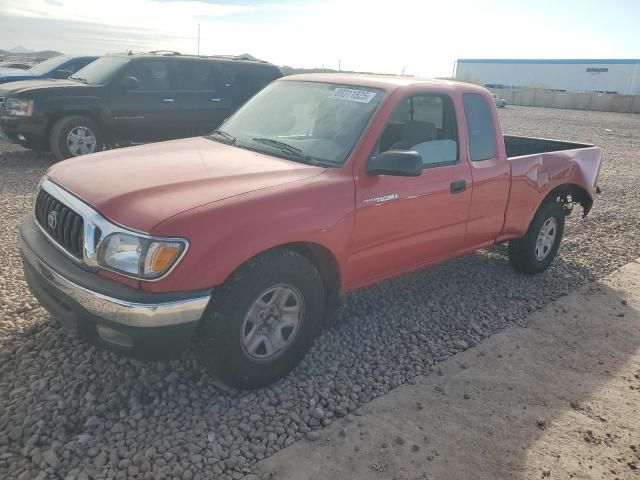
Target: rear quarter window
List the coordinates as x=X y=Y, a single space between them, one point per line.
x=198 y=75
x=482 y=144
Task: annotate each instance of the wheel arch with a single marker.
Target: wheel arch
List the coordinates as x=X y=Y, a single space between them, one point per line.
x=321 y=257
x=54 y=117
x=569 y=193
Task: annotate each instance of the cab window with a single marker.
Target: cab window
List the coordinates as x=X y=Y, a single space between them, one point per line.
x=198 y=76
x=152 y=74
x=425 y=124
x=482 y=143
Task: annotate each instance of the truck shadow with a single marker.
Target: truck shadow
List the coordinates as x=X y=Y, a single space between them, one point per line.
x=79 y=398
x=556 y=399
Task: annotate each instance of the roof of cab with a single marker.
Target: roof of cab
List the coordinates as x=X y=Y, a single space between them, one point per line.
x=385 y=82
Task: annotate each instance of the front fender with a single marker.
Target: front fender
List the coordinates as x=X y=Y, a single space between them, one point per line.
x=226 y=234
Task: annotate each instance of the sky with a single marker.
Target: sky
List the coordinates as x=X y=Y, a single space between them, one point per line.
x=417 y=37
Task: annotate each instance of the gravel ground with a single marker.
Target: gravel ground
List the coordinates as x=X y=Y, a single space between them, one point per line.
x=68 y=410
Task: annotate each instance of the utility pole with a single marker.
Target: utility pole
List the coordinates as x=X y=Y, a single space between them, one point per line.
x=198 y=39
x=339 y=64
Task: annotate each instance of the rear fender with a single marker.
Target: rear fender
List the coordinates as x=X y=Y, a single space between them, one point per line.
x=538 y=178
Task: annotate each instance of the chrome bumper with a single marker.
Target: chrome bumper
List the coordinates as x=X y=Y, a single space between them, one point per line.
x=126 y=313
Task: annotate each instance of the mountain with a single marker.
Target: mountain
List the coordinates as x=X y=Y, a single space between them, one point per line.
x=44 y=54
x=20 y=50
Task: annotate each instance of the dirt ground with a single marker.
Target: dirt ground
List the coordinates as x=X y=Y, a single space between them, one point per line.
x=559 y=399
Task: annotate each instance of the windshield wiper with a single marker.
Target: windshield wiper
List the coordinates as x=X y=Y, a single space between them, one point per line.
x=227 y=136
x=294 y=152
x=283 y=147
x=79 y=79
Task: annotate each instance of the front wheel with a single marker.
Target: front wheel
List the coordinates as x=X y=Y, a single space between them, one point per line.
x=534 y=252
x=75 y=135
x=262 y=321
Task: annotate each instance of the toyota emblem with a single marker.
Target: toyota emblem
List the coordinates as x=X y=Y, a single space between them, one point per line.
x=52 y=219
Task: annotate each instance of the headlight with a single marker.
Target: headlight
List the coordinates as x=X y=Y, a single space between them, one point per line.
x=15 y=106
x=140 y=257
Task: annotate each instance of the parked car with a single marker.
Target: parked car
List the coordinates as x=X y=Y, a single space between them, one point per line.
x=130 y=98
x=16 y=65
x=499 y=102
x=58 y=67
x=242 y=241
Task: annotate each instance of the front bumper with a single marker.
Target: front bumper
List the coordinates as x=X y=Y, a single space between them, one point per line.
x=27 y=130
x=106 y=313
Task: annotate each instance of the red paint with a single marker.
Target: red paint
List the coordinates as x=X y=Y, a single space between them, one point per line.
x=232 y=204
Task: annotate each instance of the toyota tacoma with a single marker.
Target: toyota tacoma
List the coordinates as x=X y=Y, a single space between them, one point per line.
x=241 y=242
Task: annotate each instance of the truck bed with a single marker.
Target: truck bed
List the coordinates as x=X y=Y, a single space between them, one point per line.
x=538 y=166
x=517 y=146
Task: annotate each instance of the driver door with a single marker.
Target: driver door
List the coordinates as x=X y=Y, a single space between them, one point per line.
x=402 y=223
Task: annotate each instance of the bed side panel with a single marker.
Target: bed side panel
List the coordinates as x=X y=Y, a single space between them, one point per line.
x=534 y=176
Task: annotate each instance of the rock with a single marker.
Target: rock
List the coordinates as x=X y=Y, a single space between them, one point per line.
x=100 y=460
x=52 y=459
x=542 y=423
x=15 y=434
x=92 y=422
x=118 y=428
x=317 y=413
x=313 y=436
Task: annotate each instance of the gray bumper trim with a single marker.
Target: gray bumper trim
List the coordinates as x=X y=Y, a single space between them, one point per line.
x=131 y=314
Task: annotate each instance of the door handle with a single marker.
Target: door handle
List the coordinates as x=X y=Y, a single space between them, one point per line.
x=215 y=100
x=168 y=100
x=459 y=186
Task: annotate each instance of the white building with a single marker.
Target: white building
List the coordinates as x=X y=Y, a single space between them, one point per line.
x=588 y=75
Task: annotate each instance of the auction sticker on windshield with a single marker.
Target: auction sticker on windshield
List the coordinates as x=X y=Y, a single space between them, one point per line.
x=362 y=96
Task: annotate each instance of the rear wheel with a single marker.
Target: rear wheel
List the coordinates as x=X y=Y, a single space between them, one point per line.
x=75 y=135
x=534 y=252
x=262 y=321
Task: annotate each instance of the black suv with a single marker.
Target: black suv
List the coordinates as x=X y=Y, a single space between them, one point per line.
x=123 y=99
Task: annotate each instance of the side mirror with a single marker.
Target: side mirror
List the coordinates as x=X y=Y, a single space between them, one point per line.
x=398 y=163
x=130 y=83
x=62 y=74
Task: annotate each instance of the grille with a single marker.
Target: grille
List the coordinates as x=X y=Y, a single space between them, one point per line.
x=68 y=228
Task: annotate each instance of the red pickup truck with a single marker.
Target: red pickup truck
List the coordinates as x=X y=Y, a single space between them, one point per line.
x=242 y=241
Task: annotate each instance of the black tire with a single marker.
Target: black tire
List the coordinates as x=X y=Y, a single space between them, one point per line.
x=61 y=129
x=522 y=251
x=218 y=342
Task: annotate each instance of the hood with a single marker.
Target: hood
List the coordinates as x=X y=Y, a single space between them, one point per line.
x=17 y=86
x=139 y=187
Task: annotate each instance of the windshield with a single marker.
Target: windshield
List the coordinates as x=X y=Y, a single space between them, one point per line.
x=48 y=65
x=304 y=121
x=101 y=70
